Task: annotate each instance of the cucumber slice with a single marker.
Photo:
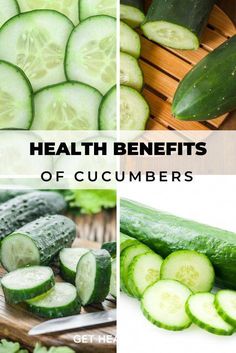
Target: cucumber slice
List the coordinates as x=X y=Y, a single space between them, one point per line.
x=92 y=58
x=111 y=247
x=67 y=106
x=113 y=283
x=27 y=283
x=69 y=258
x=60 y=301
x=131 y=15
x=130 y=72
x=16 y=98
x=93 y=277
x=107 y=111
x=67 y=7
x=134 y=110
x=38 y=41
x=225 y=303
x=88 y=8
x=8 y=9
x=129 y=40
x=163 y=304
x=126 y=241
x=143 y=271
x=201 y=309
x=190 y=268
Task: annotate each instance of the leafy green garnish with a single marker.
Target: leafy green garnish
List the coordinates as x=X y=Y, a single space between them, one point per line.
x=9 y=347
x=40 y=349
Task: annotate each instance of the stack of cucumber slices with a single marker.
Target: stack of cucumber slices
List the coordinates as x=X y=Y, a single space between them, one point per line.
x=176 y=292
x=59 y=71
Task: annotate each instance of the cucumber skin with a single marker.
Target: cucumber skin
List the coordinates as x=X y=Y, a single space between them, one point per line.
x=8 y=194
x=165 y=233
x=138 y=4
x=110 y=247
x=66 y=274
x=214 y=81
x=23 y=209
x=223 y=314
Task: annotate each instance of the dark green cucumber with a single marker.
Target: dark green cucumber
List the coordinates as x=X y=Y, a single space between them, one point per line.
x=209 y=89
x=23 y=209
x=8 y=194
x=177 y=23
x=110 y=247
x=132 y=12
x=165 y=233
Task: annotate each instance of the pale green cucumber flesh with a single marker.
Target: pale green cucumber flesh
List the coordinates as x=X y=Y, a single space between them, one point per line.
x=129 y=40
x=131 y=15
x=88 y=8
x=69 y=258
x=8 y=9
x=113 y=283
x=130 y=72
x=225 y=303
x=108 y=111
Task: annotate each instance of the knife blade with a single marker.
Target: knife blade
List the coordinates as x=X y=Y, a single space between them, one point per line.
x=74 y=322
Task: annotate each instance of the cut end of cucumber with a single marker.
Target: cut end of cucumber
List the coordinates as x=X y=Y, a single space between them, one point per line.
x=170 y=35
x=130 y=72
x=225 y=303
x=85 y=278
x=131 y=15
x=17 y=251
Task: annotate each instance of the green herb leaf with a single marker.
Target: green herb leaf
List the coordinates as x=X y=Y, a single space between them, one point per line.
x=9 y=347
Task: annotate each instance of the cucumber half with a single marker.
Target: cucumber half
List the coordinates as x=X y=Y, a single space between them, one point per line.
x=130 y=72
x=107 y=111
x=163 y=304
x=93 y=277
x=16 y=98
x=8 y=9
x=27 y=283
x=131 y=15
x=88 y=8
x=225 y=303
x=129 y=40
x=91 y=53
x=201 y=309
x=69 y=258
x=67 y=106
x=190 y=268
x=60 y=301
x=38 y=41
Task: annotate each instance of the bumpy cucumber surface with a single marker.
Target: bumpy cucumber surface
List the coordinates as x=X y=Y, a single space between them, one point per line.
x=67 y=106
x=111 y=247
x=8 y=9
x=126 y=241
x=130 y=72
x=200 y=308
x=16 y=98
x=88 y=8
x=95 y=60
x=132 y=12
x=27 y=283
x=38 y=41
x=190 y=268
x=113 y=282
x=108 y=111
x=69 y=258
x=163 y=304
x=8 y=194
x=225 y=303
x=60 y=301
x=93 y=277
x=129 y=40
x=39 y=242
x=23 y=209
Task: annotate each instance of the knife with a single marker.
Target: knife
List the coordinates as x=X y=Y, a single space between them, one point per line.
x=74 y=322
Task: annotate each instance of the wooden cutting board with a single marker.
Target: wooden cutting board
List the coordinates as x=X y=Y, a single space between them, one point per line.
x=164 y=68
x=15 y=322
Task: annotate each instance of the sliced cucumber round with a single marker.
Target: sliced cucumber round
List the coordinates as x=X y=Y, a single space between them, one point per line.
x=225 y=303
x=88 y=8
x=190 y=268
x=131 y=15
x=163 y=304
x=134 y=110
x=92 y=58
x=107 y=111
x=129 y=40
x=126 y=241
x=113 y=283
x=27 y=283
x=143 y=271
x=16 y=98
x=68 y=7
x=201 y=309
x=93 y=277
x=67 y=106
x=8 y=9
x=38 y=41
x=60 y=301
x=130 y=73
x=69 y=258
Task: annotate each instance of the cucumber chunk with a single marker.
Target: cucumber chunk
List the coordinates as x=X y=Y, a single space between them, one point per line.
x=126 y=241
x=190 y=268
x=67 y=106
x=38 y=41
x=27 y=283
x=130 y=72
x=8 y=194
x=67 y=7
x=131 y=15
x=163 y=304
x=93 y=277
x=143 y=271
x=225 y=303
x=69 y=258
x=107 y=111
x=8 y=9
x=60 y=301
x=134 y=110
x=88 y=8
x=129 y=40
x=113 y=283
x=200 y=308
x=92 y=59
x=16 y=99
